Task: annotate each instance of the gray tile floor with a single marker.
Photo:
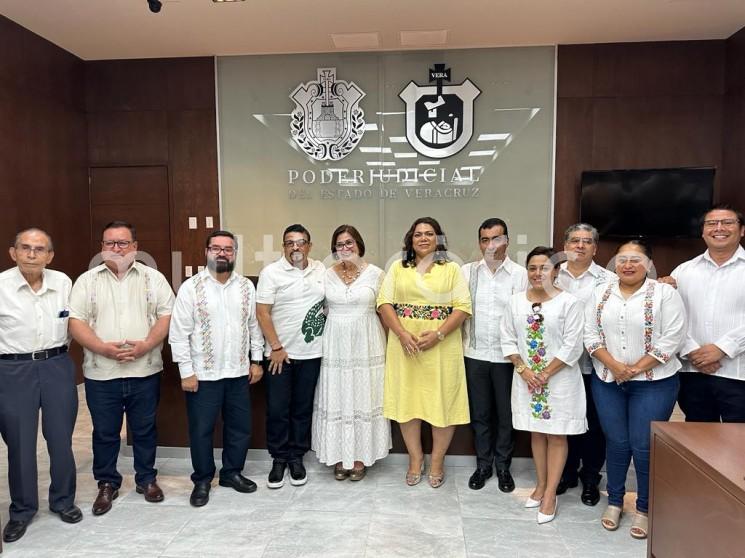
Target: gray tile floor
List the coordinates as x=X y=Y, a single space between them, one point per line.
x=377 y=517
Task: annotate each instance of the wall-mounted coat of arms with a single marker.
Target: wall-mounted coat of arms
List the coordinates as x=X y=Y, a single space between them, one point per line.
x=327 y=122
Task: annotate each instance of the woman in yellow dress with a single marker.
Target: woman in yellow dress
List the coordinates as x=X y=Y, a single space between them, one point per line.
x=423 y=301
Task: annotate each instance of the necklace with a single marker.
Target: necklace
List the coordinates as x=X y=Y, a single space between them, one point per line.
x=349 y=277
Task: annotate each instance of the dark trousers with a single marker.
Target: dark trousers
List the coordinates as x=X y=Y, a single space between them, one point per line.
x=289 y=409
x=231 y=398
x=588 y=449
x=489 y=392
x=706 y=398
x=26 y=387
x=108 y=400
x=626 y=413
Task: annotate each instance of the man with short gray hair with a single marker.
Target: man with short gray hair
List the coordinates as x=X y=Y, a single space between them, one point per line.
x=580 y=275
x=36 y=372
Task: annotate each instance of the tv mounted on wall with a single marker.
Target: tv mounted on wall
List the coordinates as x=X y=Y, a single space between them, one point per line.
x=656 y=203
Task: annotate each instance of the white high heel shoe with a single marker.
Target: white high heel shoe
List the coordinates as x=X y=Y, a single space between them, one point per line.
x=542 y=518
x=530 y=503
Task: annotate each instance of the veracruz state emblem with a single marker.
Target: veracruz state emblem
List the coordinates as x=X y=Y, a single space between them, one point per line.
x=439 y=118
x=327 y=122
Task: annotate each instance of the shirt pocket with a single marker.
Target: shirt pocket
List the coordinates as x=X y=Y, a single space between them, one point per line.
x=59 y=330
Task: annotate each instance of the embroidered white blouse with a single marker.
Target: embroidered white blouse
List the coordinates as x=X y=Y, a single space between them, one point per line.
x=652 y=322
x=214 y=327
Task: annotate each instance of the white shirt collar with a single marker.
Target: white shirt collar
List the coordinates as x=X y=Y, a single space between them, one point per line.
x=738 y=255
x=595 y=270
x=46 y=282
x=506 y=265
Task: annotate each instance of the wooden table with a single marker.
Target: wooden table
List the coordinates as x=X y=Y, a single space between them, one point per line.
x=697 y=490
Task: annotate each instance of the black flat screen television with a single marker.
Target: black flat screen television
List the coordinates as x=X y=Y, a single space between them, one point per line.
x=657 y=203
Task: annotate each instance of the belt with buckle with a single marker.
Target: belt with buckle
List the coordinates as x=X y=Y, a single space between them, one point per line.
x=37 y=355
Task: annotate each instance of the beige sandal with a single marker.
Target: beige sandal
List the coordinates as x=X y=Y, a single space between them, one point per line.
x=639 y=526
x=412 y=479
x=436 y=480
x=611 y=518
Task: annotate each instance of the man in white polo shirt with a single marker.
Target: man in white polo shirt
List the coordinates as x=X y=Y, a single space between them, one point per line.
x=289 y=305
x=491 y=281
x=580 y=275
x=712 y=380
x=120 y=312
x=216 y=341
x=36 y=373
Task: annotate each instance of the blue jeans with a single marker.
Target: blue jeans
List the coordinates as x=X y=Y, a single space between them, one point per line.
x=626 y=411
x=107 y=401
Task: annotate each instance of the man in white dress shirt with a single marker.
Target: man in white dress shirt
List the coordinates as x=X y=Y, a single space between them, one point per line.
x=580 y=275
x=289 y=305
x=217 y=343
x=119 y=313
x=36 y=373
x=712 y=380
x=491 y=281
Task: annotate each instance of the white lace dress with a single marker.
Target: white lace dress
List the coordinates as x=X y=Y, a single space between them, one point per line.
x=348 y=421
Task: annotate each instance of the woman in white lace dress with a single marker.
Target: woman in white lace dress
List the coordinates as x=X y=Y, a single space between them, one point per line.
x=349 y=429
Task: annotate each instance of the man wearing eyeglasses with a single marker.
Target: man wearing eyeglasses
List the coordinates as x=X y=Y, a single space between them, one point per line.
x=289 y=305
x=120 y=312
x=712 y=380
x=580 y=275
x=216 y=341
x=491 y=281
x=36 y=373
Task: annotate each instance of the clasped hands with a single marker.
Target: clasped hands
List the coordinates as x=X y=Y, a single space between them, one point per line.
x=413 y=344
x=706 y=359
x=624 y=372
x=125 y=351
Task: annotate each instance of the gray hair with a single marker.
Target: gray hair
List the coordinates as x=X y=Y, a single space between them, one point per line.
x=582 y=227
x=50 y=246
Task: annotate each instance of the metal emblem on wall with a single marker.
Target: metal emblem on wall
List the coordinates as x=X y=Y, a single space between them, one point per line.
x=439 y=118
x=327 y=122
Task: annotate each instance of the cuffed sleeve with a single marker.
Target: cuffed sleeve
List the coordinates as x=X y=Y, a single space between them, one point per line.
x=507 y=331
x=181 y=329
x=461 y=297
x=571 y=339
x=386 y=294
x=673 y=325
x=592 y=338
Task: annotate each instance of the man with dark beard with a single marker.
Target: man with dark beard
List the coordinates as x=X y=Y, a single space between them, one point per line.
x=217 y=343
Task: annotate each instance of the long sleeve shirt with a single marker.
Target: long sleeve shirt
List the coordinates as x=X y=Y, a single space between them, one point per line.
x=214 y=332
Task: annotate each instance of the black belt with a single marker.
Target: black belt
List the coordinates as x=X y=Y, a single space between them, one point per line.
x=37 y=355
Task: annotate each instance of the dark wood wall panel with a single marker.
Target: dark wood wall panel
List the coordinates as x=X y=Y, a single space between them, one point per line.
x=733 y=133
x=43 y=153
x=637 y=105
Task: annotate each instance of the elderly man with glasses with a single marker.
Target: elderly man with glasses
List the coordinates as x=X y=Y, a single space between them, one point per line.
x=217 y=343
x=289 y=305
x=36 y=373
x=120 y=312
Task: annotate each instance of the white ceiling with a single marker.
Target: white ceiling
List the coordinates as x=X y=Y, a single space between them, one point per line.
x=110 y=29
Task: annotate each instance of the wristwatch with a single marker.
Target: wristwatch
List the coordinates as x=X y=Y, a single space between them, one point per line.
x=520 y=369
x=440 y=335
x=256 y=362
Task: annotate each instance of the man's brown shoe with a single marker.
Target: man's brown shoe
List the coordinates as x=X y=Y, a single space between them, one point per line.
x=106 y=494
x=152 y=492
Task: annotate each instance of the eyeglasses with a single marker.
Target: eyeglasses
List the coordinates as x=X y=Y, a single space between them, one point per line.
x=536 y=309
x=299 y=243
x=345 y=244
x=228 y=250
x=36 y=250
x=120 y=243
x=586 y=241
x=711 y=223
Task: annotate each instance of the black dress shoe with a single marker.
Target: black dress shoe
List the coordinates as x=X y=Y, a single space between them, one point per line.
x=506 y=482
x=590 y=494
x=298 y=476
x=70 y=515
x=200 y=495
x=565 y=485
x=14 y=530
x=238 y=482
x=479 y=477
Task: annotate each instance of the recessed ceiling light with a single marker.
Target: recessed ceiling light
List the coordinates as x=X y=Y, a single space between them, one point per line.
x=424 y=38
x=355 y=40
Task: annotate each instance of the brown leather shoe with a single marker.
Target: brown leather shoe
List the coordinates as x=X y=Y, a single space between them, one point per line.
x=152 y=492
x=106 y=495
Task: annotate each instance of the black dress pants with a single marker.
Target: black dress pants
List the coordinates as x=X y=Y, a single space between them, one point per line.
x=586 y=450
x=489 y=400
x=707 y=398
x=25 y=387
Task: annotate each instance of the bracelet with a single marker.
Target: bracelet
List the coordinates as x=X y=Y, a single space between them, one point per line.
x=520 y=369
x=277 y=349
x=440 y=335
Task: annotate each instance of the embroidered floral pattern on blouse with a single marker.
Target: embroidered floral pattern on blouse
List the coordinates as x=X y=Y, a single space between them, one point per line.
x=422 y=312
x=537 y=361
x=245 y=309
x=649 y=327
x=601 y=332
x=203 y=319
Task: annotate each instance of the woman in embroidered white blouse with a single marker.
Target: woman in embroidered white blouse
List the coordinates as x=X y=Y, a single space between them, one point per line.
x=633 y=328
